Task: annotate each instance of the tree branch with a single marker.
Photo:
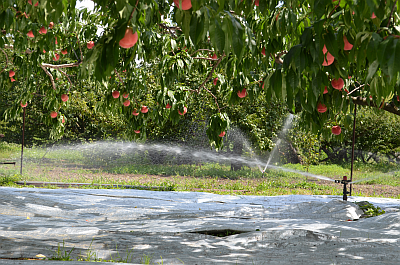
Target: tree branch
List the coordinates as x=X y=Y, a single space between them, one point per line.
x=49 y=74
x=215 y=98
x=211 y=72
x=44 y=66
x=355 y=89
x=208 y=78
x=64 y=73
x=53 y=66
x=199 y=50
x=190 y=90
x=137 y=2
x=6 y=60
x=384 y=106
x=278 y=56
x=172 y=30
x=122 y=82
x=120 y=79
x=80 y=49
x=205 y=58
x=391 y=15
x=7 y=46
x=333 y=10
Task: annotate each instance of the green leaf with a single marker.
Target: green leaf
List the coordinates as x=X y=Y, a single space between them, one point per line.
x=290 y=84
x=186 y=24
x=293 y=52
x=277 y=84
x=320 y=6
x=219 y=36
x=237 y=37
x=306 y=37
x=391 y=55
x=381 y=50
x=331 y=42
x=396 y=65
x=227 y=28
x=9 y=18
x=372 y=70
x=196 y=27
x=373 y=46
x=316 y=84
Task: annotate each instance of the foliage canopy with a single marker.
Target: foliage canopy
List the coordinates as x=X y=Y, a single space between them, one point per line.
x=285 y=50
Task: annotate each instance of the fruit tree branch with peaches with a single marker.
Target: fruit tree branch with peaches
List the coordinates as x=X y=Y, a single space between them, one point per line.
x=308 y=54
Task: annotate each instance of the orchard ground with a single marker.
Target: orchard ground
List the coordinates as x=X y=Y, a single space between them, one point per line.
x=74 y=165
x=199 y=213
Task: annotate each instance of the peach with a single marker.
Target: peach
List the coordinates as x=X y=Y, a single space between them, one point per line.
x=263 y=51
x=90 y=45
x=126 y=103
x=56 y=57
x=12 y=79
x=329 y=57
x=64 y=52
x=53 y=114
x=115 y=94
x=326 y=90
x=337 y=83
x=136 y=131
x=242 y=94
x=24 y=105
x=186 y=4
x=129 y=40
x=336 y=130
x=30 y=34
x=347 y=45
x=42 y=30
x=321 y=108
x=125 y=95
x=64 y=97
x=11 y=73
x=222 y=134
x=184 y=111
x=134 y=113
x=215 y=81
x=168 y=106
x=51 y=25
x=144 y=109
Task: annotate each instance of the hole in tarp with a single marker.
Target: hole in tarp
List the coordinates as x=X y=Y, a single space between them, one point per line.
x=220 y=233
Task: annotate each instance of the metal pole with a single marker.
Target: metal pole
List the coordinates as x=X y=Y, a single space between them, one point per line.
x=352 y=149
x=23 y=137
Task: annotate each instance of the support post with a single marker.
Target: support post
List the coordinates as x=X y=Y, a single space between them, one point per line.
x=23 y=137
x=352 y=149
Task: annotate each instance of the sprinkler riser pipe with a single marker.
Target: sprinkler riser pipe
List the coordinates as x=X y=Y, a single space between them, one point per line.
x=344 y=181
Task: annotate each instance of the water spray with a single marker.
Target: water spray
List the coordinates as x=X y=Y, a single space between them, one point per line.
x=344 y=181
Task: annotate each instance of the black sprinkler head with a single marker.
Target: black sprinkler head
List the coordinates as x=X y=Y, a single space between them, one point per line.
x=344 y=181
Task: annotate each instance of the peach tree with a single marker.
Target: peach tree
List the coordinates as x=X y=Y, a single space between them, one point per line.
x=319 y=56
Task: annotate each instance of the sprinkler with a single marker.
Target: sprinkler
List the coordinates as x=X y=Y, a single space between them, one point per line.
x=344 y=181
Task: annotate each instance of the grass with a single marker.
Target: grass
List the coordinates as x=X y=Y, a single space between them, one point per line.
x=63 y=254
x=8 y=150
x=85 y=165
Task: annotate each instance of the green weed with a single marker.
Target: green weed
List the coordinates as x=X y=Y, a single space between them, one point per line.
x=369 y=209
x=62 y=254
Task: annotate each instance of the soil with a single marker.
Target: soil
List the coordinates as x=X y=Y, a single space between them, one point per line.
x=61 y=174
